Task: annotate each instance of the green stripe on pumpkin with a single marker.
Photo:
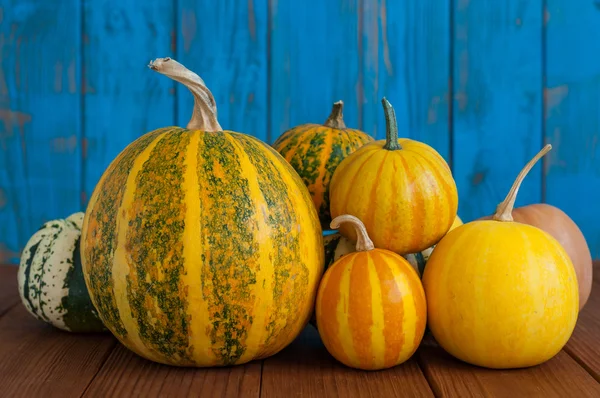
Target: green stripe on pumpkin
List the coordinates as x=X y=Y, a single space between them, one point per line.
x=155 y=243
x=230 y=307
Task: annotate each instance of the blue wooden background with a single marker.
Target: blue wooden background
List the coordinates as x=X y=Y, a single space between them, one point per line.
x=484 y=82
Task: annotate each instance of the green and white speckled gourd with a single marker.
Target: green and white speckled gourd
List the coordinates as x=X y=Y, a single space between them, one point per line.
x=50 y=278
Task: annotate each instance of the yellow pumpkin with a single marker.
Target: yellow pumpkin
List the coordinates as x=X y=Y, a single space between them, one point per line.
x=501 y=294
x=401 y=189
x=371 y=309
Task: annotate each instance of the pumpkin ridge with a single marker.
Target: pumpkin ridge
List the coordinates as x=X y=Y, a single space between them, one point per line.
x=256 y=332
x=27 y=276
x=141 y=276
x=377 y=330
x=393 y=314
x=287 y=139
x=369 y=218
x=446 y=186
x=198 y=316
x=418 y=205
x=360 y=315
x=345 y=195
x=344 y=328
x=317 y=186
x=288 y=262
x=41 y=284
x=228 y=197
x=100 y=234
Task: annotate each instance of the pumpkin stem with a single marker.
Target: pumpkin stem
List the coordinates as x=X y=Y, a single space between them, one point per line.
x=363 y=242
x=391 y=127
x=504 y=209
x=204 y=116
x=336 y=118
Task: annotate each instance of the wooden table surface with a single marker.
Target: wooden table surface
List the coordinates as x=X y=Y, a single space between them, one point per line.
x=39 y=360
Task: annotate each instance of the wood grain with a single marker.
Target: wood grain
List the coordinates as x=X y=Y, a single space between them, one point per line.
x=226 y=44
x=40 y=151
x=123 y=98
x=559 y=377
x=305 y=369
x=406 y=58
x=572 y=113
x=37 y=360
x=9 y=294
x=313 y=62
x=583 y=345
x=497 y=104
x=127 y=375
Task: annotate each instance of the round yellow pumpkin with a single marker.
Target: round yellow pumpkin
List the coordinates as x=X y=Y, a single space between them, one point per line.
x=401 y=189
x=371 y=309
x=501 y=294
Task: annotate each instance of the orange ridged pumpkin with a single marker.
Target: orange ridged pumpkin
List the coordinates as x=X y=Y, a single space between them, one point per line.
x=500 y=293
x=371 y=309
x=315 y=151
x=401 y=189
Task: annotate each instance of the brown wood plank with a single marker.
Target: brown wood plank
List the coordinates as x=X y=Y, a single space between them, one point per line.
x=126 y=374
x=583 y=345
x=9 y=294
x=306 y=369
x=559 y=377
x=37 y=359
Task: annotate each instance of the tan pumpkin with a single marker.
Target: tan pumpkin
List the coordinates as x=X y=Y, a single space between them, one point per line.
x=557 y=223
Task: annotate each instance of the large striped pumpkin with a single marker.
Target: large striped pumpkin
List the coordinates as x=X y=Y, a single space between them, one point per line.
x=401 y=189
x=201 y=247
x=371 y=309
x=50 y=277
x=315 y=151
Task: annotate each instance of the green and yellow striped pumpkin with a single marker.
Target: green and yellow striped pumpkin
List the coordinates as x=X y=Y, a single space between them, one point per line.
x=201 y=247
x=315 y=150
x=50 y=277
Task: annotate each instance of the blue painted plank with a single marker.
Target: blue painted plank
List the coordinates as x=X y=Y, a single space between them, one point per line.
x=225 y=43
x=314 y=61
x=572 y=113
x=497 y=101
x=123 y=99
x=406 y=58
x=40 y=151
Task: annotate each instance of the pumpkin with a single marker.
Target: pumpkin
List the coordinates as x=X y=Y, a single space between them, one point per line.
x=558 y=224
x=201 y=247
x=501 y=294
x=371 y=309
x=337 y=245
x=401 y=189
x=315 y=150
x=50 y=277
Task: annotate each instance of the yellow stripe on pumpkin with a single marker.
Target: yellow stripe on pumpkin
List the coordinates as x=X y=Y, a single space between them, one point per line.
x=121 y=267
x=343 y=312
x=192 y=249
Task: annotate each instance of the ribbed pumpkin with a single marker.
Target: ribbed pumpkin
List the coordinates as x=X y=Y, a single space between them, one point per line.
x=371 y=309
x=401 y=189
x=315 y=151
x=201 y=247
x=501 y=294
x=50 y=277
x=337 y=245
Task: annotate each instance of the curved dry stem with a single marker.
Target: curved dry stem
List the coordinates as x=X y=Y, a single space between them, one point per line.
x=204 y=115
x=363 y=242
x=336 y=118
x=504 y=209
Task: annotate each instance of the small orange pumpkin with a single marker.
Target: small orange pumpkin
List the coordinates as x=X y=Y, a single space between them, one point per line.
x=371 y=309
